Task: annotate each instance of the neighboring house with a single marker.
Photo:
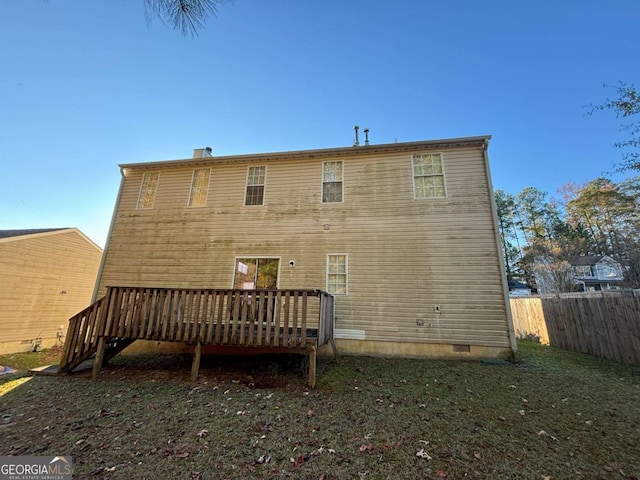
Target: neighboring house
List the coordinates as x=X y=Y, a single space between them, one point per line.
x=392 y=231
x=518 y=289
x=47 y=276
x=597 y=272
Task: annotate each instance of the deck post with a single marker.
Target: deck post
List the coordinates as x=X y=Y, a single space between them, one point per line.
x=195 y=366
x=333 y=347
x=312 y=367
x=97 y=361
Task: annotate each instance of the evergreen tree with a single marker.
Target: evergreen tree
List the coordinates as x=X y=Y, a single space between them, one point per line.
x=626 y=105
x=188 y=16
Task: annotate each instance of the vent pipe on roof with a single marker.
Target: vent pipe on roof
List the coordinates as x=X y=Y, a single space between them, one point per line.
x=366 y=136
x=356 y=142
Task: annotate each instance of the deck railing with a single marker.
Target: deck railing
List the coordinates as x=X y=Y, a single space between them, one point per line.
x=257 y=318
x=278 y=318
x=82 y=334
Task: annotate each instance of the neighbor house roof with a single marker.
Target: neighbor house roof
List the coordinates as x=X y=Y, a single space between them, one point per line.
x=16 y=235
x=516 y=284
x=31 y=231
x=582 y=260
x=591 y=260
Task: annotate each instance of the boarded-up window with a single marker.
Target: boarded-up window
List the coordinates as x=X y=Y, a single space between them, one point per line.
x=331 y=182
x=148 y=189
x=255 y=185
x=337 y=274
x=428 y=176
x=199 y=187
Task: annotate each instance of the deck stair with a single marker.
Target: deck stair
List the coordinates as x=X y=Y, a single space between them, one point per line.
x=295 y=321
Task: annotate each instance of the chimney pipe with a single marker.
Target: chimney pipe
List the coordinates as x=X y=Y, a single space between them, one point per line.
x=366 y=136
x=356 y=143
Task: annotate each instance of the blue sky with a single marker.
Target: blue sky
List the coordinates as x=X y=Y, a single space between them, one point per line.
x=88 y=84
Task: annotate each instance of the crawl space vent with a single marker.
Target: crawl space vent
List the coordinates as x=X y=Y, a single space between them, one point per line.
x=462 y=348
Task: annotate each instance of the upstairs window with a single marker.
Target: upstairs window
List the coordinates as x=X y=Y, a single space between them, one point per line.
x=332 y=182
x=255 y=185
x=605 y=270
x=337 y=274
x=148 y=189
x=584 y=271
x=428 y=176
x=199 y=187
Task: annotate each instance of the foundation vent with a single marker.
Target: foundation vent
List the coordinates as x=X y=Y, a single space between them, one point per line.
x=462 y=348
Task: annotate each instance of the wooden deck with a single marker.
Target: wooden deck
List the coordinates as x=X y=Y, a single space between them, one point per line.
x=295 y=321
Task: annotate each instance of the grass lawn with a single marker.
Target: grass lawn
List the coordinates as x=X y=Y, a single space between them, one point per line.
x=551 y=415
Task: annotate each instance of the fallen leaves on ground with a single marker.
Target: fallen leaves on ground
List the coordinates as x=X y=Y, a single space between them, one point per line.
x=300 y=459
x=262 y=459
x=422 y=454
x=366 y=448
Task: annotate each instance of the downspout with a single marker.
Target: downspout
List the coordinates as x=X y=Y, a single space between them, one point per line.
x=503 y=274
x=105 y=252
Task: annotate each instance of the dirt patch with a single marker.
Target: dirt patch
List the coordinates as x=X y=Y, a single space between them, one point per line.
x=260 y=371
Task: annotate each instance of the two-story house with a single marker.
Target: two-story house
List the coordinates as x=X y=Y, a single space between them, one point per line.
x=597 y=272
x=398 y=234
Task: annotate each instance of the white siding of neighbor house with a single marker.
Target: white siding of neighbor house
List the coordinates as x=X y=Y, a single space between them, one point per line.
x=602 y=267
x=46 y=278
x=405 y=256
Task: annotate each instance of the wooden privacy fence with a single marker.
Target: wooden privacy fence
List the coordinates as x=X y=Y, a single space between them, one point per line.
x=606 y=327
x=299 y=320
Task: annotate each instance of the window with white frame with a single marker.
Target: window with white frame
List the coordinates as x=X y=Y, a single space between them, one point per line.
x=337 y=272
x=332 y=182
x=428 y=176
x=584 y=271
x=199 y=187
x=255 y=185
x=148 y=188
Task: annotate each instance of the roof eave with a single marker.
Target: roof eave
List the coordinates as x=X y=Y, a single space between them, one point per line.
x=318 y=153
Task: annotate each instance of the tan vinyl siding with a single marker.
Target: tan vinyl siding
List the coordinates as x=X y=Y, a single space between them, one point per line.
x=405 y=255
x=35 y=271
